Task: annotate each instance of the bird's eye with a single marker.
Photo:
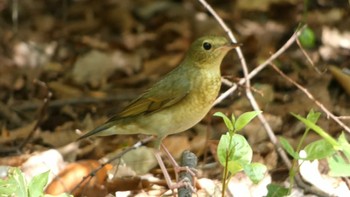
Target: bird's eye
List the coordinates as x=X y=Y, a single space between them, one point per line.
x=207 y=46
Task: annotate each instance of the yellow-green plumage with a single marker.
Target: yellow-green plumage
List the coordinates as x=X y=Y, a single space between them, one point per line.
x=178 y=101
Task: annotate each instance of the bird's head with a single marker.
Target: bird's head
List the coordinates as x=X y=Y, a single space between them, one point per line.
x=209 y=51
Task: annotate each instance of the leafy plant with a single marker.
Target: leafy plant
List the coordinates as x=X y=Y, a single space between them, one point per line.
x=16 y=185
x=336 y=151
x=276 y=191
x=234 y=152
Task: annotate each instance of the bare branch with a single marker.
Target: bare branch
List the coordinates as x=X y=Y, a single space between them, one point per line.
x=311 y=97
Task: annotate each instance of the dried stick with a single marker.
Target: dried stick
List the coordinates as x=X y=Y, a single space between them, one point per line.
x=41 y=116
x=308 y=57
x=41 y=113
x=259 y=68
x=311 y=97
x=92 y=173
x=73 y=101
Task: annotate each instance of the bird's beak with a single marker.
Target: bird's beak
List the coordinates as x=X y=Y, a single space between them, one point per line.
x=231 y=46
x=234 y=45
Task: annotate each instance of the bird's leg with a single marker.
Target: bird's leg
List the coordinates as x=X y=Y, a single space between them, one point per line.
x=176 y=166
x=170 y=184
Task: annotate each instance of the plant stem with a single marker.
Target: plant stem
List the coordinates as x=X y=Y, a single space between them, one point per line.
x=294 y=168
x=225 y=175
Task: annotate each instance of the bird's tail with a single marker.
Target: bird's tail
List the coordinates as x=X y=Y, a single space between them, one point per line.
x=101 y=130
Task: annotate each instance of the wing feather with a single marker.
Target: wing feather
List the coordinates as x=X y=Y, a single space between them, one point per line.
x=163 y=94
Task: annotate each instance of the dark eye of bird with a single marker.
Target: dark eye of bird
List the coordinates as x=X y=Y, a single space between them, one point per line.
x=206 y=45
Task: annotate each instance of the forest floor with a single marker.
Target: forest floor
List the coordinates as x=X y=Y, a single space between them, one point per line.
x=68 y=66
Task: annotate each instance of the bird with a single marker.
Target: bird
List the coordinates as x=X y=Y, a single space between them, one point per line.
x=178 y=101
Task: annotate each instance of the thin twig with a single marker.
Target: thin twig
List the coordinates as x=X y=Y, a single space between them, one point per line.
x=308 y=57
x=39 y=121
x=259 y=68
x=73 y=101
x=344 y=117
x=311 y=97
x=128 y=149
x=41 y=113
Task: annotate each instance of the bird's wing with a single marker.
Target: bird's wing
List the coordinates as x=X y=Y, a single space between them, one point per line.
x=163 y=94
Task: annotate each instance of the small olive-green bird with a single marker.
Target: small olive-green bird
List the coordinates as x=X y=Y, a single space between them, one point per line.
x=178 y=101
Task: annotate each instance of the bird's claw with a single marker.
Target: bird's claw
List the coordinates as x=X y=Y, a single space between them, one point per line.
x=185 y=182
x=187 y=169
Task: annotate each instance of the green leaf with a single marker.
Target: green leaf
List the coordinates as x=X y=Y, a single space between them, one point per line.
x=255 y=171
x=227 y=121
x=234 y=148
x=21 y=181
x=276 y=191
x=37 y=184
x=234 y=167
x=319 y=149
x=287 y=147
x=313 y=116
x=242 y=156
x=307 y=38
x=8 y=187
x=233 y=119
x=345 y=146
x=338 y=167
x=245 y=118
x=225 y=149
x=319 y=131
x=243 y=152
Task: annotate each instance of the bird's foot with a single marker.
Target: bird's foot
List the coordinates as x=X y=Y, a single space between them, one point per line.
x=185 y=182
x=192 y=171
x=182 y=183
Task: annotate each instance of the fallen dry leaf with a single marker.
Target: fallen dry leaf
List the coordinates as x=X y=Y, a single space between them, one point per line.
x=74 y=173
x=95 y=67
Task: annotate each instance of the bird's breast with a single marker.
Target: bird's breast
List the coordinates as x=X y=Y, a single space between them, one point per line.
x=204 y=90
